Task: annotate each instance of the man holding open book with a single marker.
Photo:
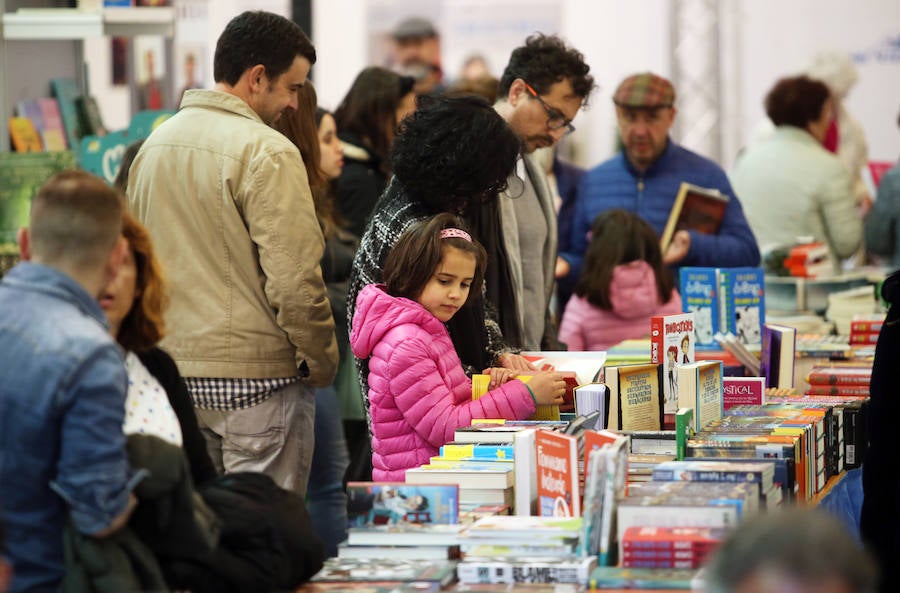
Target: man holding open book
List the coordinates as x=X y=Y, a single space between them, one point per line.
x=646 y=176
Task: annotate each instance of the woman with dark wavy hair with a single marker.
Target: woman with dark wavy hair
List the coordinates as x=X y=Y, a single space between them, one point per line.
x=453 y=154
x=367 y=120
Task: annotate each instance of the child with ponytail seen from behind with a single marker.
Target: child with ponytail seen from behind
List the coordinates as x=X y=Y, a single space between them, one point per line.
x=623 y=283
x=418 y=392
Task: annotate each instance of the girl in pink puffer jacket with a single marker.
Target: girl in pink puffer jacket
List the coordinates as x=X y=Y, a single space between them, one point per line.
x=418 y=392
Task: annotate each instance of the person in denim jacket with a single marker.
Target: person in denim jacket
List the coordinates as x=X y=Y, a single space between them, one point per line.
x=62 y=381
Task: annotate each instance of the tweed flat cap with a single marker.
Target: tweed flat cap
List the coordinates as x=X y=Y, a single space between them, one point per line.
x=644 y=91
x=414 y=28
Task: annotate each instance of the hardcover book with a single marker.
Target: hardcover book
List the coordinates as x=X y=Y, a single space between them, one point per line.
x=839 y=375
x=697 y=209
x=672 y=342
x=67 y=92
x=24 y=136
x=378 y=503
x=700 y=388
x=743 y=305
x=700 y=295
x=776 y=357
x=636 y=397
x=557 y=475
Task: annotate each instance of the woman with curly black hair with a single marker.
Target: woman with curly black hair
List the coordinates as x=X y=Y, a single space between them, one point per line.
x=453 y=154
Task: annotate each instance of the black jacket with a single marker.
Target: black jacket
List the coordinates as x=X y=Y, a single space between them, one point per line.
x=360 y=185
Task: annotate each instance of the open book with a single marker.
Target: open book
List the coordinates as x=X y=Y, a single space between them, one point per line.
x=696 y=208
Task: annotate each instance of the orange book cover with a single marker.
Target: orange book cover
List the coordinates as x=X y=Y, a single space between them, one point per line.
x=557 y=474
x=24 y=135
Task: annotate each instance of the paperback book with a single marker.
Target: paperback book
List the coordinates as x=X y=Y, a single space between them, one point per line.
x=557 y=475
x=360 y=570
x=742 y=292
x=379 y=503
x=700 y=388
x=636 y=399
x=672 y=343
x=526 y=570
x=700 y=296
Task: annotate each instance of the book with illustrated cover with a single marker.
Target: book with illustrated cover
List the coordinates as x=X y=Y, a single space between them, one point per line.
x=743 y=303
x=359 y=570
x=24 y=136
x=700 y=295
x=700 y=388
x=557 y=474
x=672 y=343
x=743 y=391
x=696 y=208
x=762 y=473
x=526 y=570
x=54 y=133
x=635 y=397
x=379 y=503
x=776 y=357
x=497 y=451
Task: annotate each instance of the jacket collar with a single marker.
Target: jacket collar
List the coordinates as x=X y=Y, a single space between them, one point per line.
x=660 y=163
x=44 y=279
x=225 y=101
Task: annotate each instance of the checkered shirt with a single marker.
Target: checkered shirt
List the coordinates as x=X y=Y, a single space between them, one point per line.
x=233 y=394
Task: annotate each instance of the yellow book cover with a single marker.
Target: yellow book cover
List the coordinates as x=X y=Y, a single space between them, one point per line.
x=24 y=136
x=480 y=385
x=639 y=398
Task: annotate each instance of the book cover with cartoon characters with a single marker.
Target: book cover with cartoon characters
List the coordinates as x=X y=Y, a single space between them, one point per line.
x=672 y=341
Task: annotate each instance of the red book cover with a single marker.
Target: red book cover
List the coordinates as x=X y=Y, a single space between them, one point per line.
x=743 y=391
x=839 y=375
x=557 y=474
x=860 y=338
x=849 y=390
x=672 y=343
x=671 y=537
x=866 y=325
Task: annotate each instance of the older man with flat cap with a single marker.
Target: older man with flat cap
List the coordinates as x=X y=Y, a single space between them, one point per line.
x=644 y=178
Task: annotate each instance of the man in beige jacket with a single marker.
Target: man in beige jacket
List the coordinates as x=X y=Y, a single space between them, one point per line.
x=227 y=201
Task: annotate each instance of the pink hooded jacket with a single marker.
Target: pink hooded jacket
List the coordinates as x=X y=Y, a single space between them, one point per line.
x=634 y=298
x=418 y=392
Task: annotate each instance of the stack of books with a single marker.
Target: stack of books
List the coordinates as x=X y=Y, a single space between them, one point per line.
x=852 y=380
x=669 y=547
x=865 y=328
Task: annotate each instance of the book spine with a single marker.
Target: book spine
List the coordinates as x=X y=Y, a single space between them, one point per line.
x=865 y=326
x=702 y=475
x=838 y=378
x=493 y=571
x=657 y=339
x=849 y=390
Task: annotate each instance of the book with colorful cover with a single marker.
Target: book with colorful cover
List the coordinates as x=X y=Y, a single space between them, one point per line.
x=498 y=451
x=700 y=296
x=379 y=503
x=761 y=473
x=557 y=475
x=777 y=355
x=672 y=343
x=695 y=208
x=743 y=303
x=867 y=323
x=743 y=391
x=684 y=429
x=617 y=577
x=24 y=136
x=54 y=133
x=672 y=538
x=700 y=388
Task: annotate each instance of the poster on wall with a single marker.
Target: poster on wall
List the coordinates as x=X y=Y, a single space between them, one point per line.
x=150 y=72
x=466 y=31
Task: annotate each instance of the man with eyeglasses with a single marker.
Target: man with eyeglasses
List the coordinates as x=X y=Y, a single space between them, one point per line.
x=542 y=89
x=644 y=178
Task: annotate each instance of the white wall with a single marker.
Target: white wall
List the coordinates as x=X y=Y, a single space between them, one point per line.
x=763 y=40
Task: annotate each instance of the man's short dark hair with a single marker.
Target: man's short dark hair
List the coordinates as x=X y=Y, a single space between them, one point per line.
x=545 y=60
x=796 y=101
x=258 y=37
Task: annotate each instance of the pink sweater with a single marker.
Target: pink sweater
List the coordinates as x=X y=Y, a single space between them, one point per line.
x=634 y=300
x=418 y=392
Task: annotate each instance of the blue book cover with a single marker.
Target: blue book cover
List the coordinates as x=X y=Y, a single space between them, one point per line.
x=743 y=303
x=700 y=295
x=389 y=503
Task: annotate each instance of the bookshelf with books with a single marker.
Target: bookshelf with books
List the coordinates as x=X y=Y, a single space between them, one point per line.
x=54 y=38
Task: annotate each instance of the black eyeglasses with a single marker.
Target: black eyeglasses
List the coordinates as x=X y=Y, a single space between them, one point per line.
x=555 y=118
